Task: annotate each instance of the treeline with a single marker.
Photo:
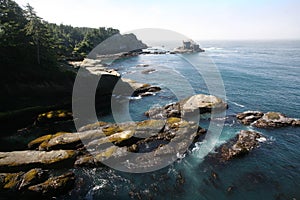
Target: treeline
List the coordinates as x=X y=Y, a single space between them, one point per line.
x=25 y=38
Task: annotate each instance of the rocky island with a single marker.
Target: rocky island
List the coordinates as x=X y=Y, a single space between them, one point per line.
x=188 y=46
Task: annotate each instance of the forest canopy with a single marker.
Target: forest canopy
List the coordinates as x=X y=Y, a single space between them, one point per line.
x=28 y=39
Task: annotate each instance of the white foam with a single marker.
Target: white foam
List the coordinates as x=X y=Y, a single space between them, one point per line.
x=213 y=48
x=261 y=139
x=135 y=98
x=237 y=104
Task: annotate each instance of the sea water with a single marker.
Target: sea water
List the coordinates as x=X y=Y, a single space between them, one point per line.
x=256 y=75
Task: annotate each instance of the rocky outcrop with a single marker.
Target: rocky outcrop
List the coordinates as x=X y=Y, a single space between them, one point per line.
x=189 y=46
x=266 y=120
x=241 y=145
x=117 y=45
x=25 y=160
x=151 y=137
x=198 y=104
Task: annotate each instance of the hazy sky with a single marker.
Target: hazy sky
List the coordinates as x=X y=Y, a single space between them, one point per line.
x=197 y=19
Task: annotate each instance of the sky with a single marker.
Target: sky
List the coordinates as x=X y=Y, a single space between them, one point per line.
x=197 y=19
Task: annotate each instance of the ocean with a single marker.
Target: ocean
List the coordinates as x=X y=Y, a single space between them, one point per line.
x=256 y=75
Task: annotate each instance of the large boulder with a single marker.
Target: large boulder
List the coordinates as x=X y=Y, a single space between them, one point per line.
x=198 y=104
x=25 y=160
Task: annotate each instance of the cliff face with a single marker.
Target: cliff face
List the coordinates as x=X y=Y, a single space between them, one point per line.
x=117 y=44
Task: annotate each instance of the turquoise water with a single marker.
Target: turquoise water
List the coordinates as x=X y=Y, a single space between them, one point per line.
x=257 y=75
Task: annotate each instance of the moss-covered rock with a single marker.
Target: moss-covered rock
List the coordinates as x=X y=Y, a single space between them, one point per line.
x=43 y=139
x=110 y=130
x=116 y=138
x=273 y=115
x=36 y=142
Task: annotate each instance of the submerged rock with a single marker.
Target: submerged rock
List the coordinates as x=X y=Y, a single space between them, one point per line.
x=148 y=71
x=25 y=160
x=200 y=103
x=266 y=120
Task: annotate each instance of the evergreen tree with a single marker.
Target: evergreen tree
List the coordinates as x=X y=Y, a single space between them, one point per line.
x=36 y=29
x=26 y=39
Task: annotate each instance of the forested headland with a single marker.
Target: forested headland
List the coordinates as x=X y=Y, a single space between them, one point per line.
x=31 y=51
